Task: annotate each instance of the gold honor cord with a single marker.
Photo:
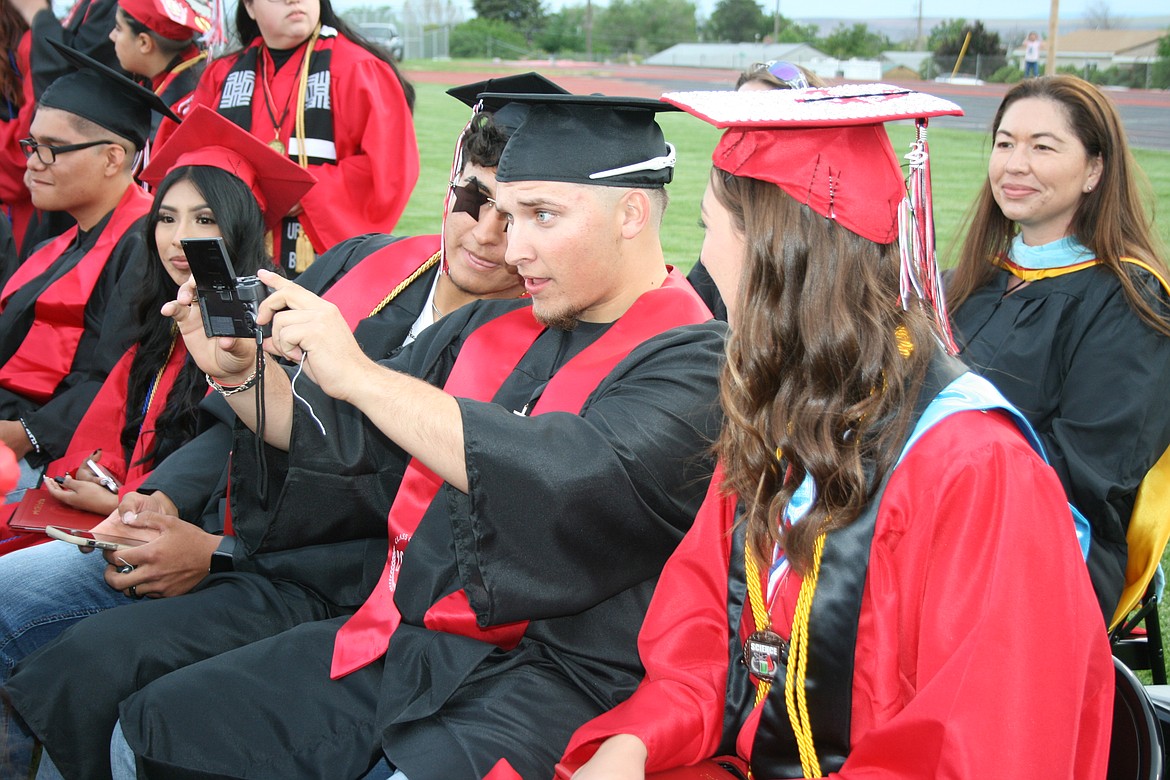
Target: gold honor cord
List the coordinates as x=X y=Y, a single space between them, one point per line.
x=798 y=664
x=795 y=693
x=422 y=269
x=305 y=253
x=182 y=66
x=162 y=368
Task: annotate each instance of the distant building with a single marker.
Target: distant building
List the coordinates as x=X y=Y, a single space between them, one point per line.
x=903 y=65
x=1104 y=48
x=736 y=56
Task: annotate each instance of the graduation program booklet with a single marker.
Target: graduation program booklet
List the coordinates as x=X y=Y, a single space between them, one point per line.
x=38 y=509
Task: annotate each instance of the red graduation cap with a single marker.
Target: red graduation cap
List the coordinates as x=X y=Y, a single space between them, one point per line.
x=828 y=149
x=173 y=19
x=206 y=138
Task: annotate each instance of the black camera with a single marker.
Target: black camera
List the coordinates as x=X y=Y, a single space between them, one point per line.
x=228 y=303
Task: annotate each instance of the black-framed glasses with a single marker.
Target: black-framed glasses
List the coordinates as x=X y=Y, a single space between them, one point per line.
x=470 y=199
x=31 y=147
x=785 y=72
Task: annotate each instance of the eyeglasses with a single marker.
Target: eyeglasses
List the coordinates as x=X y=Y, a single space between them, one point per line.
x=786 y=72
x=31 y=147
x=470 y=199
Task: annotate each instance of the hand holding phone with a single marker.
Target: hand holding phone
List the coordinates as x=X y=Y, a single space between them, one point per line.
x=90 y=540
x=103 y=477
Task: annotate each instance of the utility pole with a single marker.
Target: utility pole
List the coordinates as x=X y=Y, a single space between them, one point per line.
x=776 y=24
x=1053 y=26
x=918 y=42
x=589 y=30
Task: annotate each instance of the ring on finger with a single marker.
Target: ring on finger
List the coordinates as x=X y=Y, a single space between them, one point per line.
x=133 y=591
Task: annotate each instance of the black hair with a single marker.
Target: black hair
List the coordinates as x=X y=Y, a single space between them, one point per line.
x=247 y=30
x=167 y=45
x=242 y=225
x=484 y=141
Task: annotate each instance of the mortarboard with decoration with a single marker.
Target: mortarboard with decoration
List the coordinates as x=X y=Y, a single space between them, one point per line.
x=587 y=139
x=206 y=138
x=175 y=20
x=103 y=96
x=828 y=149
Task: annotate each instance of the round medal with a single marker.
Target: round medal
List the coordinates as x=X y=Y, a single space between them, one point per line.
x=276 y=144
x=763 y=654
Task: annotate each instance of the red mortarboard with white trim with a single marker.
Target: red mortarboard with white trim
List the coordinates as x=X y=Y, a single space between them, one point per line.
x=828 y=149
x=175 y=20
x=206 y=138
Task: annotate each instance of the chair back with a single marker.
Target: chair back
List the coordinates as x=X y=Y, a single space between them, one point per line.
x=1135 y=746
x=1149 y=530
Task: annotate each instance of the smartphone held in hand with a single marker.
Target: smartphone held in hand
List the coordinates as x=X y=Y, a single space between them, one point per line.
x=90 y=540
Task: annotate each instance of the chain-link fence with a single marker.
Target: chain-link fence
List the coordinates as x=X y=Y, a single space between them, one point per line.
x=979 y=66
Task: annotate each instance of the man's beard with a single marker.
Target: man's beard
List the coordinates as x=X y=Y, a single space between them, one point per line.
x=561 y=320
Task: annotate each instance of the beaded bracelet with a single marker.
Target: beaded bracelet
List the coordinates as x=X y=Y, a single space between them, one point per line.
x=31 y=439
x=229 y=390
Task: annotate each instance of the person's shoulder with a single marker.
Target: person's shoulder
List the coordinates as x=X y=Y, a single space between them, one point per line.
x=971 y=439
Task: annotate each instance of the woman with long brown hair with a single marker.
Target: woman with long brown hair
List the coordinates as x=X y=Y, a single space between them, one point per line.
x=849 y=597
x=1060 y=299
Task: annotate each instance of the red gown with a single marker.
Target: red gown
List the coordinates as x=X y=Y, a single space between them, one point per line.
x=980 y=653
x=366 y=191
x=101 y=427
x=14 y=195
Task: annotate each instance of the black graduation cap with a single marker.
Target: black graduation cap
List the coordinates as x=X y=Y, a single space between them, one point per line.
x=104 y=96
x=586 y=139
x=507 y=116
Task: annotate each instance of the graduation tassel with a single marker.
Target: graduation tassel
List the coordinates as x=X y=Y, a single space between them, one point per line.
x=305 y=253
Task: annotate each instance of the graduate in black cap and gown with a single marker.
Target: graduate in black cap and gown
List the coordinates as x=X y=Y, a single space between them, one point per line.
x=535 y=496
x=63 y=318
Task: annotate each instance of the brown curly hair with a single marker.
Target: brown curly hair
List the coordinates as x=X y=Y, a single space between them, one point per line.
x=814 y=372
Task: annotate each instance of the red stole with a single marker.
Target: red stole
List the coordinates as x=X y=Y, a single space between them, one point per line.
x=488 y=357
x=367 y=284
x=46 y=355
x=101 y=427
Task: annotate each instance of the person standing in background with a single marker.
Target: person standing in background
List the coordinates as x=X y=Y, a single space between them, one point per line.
x=1032 y=45
x=308 y=86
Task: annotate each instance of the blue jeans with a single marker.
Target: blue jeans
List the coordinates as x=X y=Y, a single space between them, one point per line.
x=1031 y=69
x=46 y=589
x=29 y=478
x=122 y=763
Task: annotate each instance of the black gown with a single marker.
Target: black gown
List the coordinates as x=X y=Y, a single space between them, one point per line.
x=1070 y=353
x=583 y=512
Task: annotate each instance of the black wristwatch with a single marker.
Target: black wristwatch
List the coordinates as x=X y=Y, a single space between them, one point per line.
x=221 y=559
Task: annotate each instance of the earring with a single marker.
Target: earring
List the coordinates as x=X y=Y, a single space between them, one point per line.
x=1088 y=189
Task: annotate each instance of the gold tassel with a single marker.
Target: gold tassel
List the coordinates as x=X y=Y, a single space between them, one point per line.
x=305 y=253
x=269 y=244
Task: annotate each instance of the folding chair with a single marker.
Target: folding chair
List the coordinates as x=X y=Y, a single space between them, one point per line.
x=1135 y=745
x=1149 y=530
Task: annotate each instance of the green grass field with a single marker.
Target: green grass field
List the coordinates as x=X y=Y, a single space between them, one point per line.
x=958 y=162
